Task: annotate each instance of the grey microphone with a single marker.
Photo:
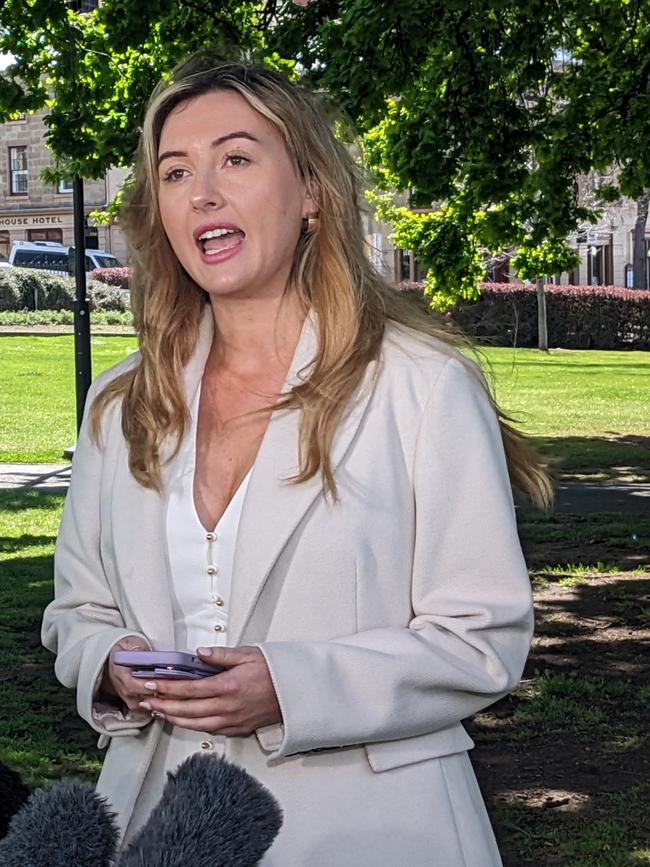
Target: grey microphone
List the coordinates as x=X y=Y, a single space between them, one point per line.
x=211 y=814
x=68 y=824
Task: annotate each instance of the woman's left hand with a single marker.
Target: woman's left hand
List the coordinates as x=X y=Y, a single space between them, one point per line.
x=233 y=702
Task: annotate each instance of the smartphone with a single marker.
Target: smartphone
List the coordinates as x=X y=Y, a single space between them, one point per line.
x=165 y=664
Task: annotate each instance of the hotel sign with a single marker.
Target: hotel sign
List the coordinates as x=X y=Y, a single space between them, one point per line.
x=31 y=221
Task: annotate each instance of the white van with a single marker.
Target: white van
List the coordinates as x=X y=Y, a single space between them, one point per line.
x=50 y=256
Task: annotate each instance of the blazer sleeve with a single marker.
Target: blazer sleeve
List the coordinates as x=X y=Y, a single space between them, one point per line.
x=468 y=639
x=83 y=622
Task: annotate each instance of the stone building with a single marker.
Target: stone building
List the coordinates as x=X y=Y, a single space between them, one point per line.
x=31 y=210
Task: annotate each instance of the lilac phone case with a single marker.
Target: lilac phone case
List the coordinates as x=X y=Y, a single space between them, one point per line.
x=165 y=663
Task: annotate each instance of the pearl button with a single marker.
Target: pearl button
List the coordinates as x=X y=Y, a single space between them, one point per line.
x=210 y=536
x=218 y=627
x=206 y=745
x=212 y=570
x=218 y=601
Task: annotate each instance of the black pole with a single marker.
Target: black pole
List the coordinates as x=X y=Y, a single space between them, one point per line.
x=83 y=374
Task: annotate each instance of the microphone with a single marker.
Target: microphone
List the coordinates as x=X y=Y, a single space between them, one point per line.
x=13 y=794
x=68 y=824
x=211 y=814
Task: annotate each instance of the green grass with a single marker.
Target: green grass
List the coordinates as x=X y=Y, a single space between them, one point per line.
x=37 y=421
x=40 y=733
x=586 y=409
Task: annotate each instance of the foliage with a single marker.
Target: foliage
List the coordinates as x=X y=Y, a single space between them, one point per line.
x=31 y=289
x=112 y=276
x=445 y=246
x=579 y=317
x=101 y=66
x=40 y=318
x=487 y=108
x=552 y=256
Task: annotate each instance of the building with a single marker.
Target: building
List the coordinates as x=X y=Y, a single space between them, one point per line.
x=31 y=210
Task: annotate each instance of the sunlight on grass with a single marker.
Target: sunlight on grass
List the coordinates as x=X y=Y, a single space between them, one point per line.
x=37 y=385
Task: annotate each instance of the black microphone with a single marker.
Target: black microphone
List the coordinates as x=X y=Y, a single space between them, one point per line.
x=68 y=824
x=13 y=795
x=211 y=814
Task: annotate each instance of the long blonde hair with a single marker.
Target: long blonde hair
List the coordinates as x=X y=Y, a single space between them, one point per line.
x=331 y=272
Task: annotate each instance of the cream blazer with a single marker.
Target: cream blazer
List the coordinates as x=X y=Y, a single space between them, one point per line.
x=385 y=618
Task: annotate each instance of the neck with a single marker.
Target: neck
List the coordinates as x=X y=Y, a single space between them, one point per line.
x=253 y=335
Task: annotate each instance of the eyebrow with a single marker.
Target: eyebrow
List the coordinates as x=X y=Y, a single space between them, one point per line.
x=240 y=133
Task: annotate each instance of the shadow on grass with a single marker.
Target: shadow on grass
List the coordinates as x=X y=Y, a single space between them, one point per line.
x=612 y=457
x=20 y=499
x=547 y=834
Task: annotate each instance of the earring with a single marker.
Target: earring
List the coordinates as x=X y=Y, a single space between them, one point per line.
x=310 y=224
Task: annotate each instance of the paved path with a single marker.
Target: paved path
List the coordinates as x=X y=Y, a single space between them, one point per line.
x=577 y=497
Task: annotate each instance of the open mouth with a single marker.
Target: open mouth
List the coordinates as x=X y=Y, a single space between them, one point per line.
x=218 y=240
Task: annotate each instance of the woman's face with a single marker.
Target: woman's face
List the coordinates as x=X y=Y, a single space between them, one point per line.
x=231 y=199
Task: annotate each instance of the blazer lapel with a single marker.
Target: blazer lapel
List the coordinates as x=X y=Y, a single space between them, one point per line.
x=274 y=506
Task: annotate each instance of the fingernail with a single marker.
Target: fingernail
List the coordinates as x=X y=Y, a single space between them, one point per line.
x=204 y=651
x=149 y=684
x=145 y=705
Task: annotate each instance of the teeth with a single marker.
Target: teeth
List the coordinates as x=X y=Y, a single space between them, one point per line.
x=215 y=233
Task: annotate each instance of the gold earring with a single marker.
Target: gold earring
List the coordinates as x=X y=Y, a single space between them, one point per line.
x=312 y=223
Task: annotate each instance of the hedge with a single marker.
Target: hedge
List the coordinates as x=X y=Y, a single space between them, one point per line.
x=112 y=276
x=27 y=289
x=578 y=317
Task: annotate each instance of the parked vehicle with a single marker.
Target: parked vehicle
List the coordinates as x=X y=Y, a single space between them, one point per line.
x=51 y=256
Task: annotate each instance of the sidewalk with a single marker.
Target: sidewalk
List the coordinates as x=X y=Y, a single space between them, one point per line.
x=578 y=497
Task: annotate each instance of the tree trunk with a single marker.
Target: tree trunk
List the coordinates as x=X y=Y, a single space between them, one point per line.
x=542 y=330
x=639 y=260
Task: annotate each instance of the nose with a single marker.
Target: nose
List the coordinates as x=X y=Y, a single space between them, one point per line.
x=205 y=193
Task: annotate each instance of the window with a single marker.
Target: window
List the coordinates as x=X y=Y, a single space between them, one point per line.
x=5 y=245
x=45 y=235
x=65 y=186
x=18 y=171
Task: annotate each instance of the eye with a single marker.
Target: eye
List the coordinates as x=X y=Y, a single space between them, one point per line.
x=173 y=175
x=236 y=160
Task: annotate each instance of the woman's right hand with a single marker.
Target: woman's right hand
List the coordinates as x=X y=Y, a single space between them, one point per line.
x=118 y=682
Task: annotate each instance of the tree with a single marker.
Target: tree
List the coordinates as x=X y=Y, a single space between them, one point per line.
x=101 y=66
x=489 y=108
x=493 y=107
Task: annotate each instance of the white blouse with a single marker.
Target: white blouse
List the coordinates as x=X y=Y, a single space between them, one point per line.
x=201 y=565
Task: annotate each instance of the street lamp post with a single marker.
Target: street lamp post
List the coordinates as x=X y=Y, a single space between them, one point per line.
x=83 y=374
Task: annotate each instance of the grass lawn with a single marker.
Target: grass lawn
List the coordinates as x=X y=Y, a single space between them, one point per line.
x=40 y=733
x=587 y=410
x=37 y=417
x=563 y=762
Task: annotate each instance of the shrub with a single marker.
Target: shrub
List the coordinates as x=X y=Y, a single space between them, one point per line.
x=31 y=289
x=106 y=297
x=578 y=317
x=9 y=294
x=43 y=290
x=112 y=276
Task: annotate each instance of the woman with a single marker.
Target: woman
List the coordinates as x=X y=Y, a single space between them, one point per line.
x=298 y=474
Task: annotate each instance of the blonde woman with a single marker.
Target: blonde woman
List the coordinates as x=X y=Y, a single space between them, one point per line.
x=298 y=474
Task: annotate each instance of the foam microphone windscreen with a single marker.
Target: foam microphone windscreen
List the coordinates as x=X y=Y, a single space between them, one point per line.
x=211 y=814
x=66 y=825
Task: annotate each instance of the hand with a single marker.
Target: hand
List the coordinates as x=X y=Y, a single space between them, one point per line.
x=233 y=702
x=119 y=682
